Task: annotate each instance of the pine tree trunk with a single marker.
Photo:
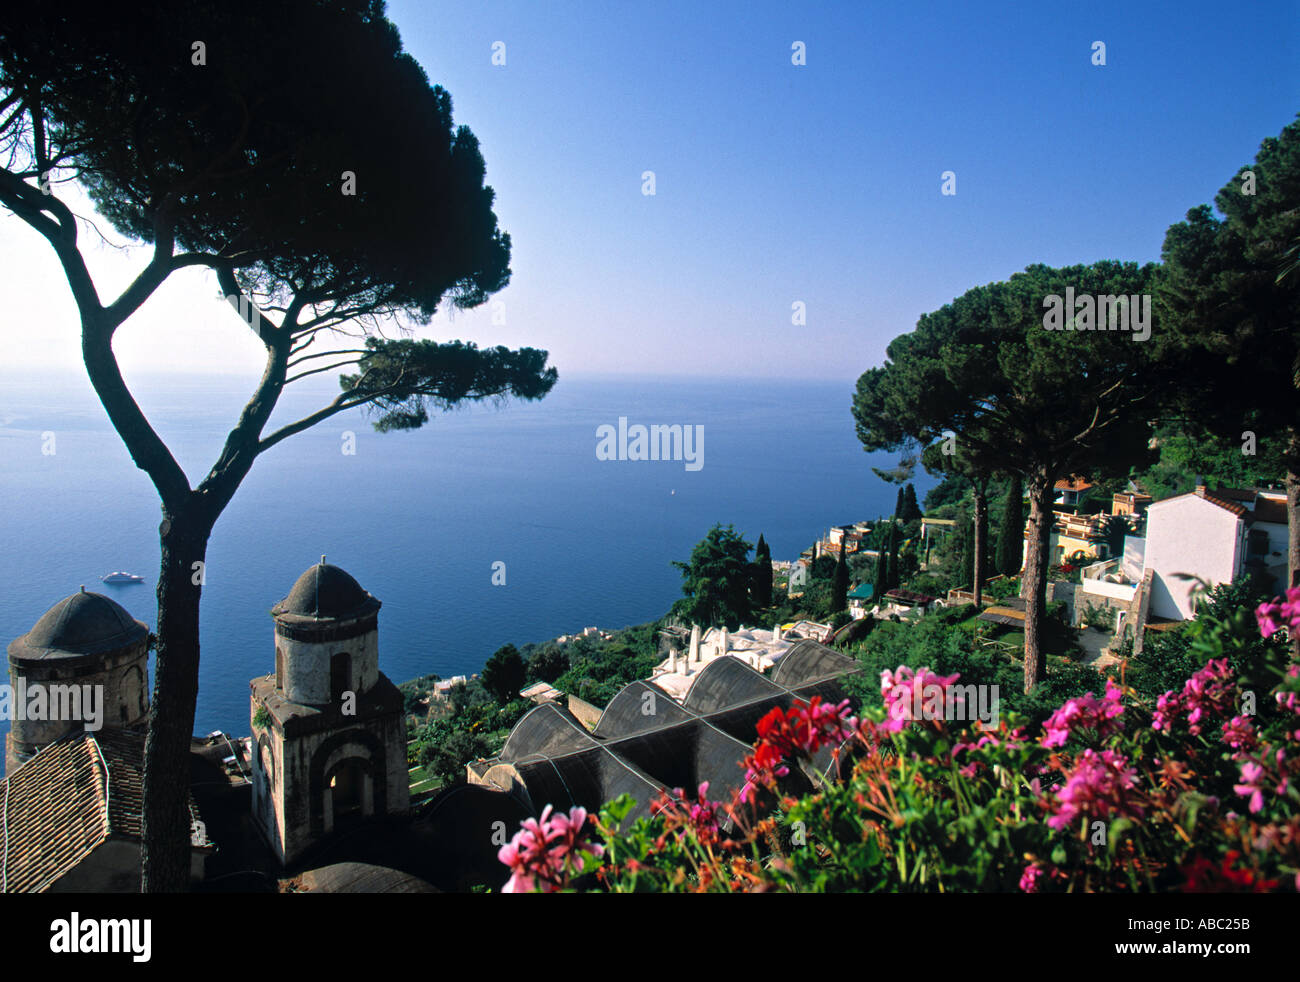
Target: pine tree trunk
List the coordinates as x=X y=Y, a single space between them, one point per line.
x=981 y=534
x=166 y=848
x=1034 y=587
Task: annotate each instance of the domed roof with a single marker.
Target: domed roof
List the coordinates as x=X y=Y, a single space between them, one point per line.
x=82 y=624
x=326 y=592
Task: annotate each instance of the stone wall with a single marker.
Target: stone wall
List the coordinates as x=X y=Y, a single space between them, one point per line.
x=586 y=713
x=123 y=697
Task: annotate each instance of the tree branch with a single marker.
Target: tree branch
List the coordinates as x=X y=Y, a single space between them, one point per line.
x=269 y=336
x=142 y=442
x=339 y=405
x=163 y=264
x=325 y=354
x=30 y=205
x=327 y=368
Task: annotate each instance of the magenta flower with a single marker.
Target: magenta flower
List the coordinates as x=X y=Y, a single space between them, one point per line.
x=1167 y=709
x=700 y=818
x=1085 y=713
x=546 y=851
x=1030 y=877
x=1100 y=786
x=1280 y=613
x=1252 y=785
x=1239 y=733
x=910 y=697
x=1012 y=741
x=1208 y=691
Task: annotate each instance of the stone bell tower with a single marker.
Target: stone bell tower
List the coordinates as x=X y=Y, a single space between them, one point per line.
x=84 y=665
x=329 y=728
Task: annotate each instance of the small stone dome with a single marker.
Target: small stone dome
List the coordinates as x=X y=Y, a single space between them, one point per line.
x=326 y=592
x=82 y=624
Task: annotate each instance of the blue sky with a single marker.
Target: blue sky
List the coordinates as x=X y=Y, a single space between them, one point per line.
x=778 y=183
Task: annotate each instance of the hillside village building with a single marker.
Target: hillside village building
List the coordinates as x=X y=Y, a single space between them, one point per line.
x=1215 y=536
x=757 y=647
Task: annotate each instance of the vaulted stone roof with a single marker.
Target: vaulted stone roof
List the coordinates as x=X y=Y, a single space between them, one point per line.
x=646 y=742
x=80 y=625
x=325 y=592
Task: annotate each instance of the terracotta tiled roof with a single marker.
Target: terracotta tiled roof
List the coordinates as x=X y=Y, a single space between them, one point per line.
x=1248 y=501
x=1235 y=507
x=61 y=804
x=1078 y=484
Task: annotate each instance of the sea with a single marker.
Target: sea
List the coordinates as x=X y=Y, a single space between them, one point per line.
x=492 y=524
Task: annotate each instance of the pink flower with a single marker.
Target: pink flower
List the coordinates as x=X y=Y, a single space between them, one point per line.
x=1280 y=613
x=1210 y=690
x=546 y=851
x=911 y=697
x=1252 y=785
x=1167 y=709
x=1030 y=877
x=1012 y=741
x=1099 y=787
x=1239 y=733
x=701 y=818
x=1085 y=713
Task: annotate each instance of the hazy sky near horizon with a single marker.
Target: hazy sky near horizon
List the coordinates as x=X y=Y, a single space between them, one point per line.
x=775 y=183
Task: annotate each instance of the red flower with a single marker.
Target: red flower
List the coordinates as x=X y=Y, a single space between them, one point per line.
x=1206 y=876
x=797 y=732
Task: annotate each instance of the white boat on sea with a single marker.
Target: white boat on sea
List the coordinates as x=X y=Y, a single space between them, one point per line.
x=120 y=577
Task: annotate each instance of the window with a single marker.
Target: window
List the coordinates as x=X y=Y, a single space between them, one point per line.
x=279 y=668
x=340 y=675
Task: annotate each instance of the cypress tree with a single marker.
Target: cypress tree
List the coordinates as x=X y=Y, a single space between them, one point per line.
x=840 y=586
x=882 y=573
x=893 y=557
x=909 y=510
x=899 y=504
x=1011 y=531
x=762 y=585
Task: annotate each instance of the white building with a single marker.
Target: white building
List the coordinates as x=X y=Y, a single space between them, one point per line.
x=1208 y=536
x=1216 y=536
x=755 y=646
